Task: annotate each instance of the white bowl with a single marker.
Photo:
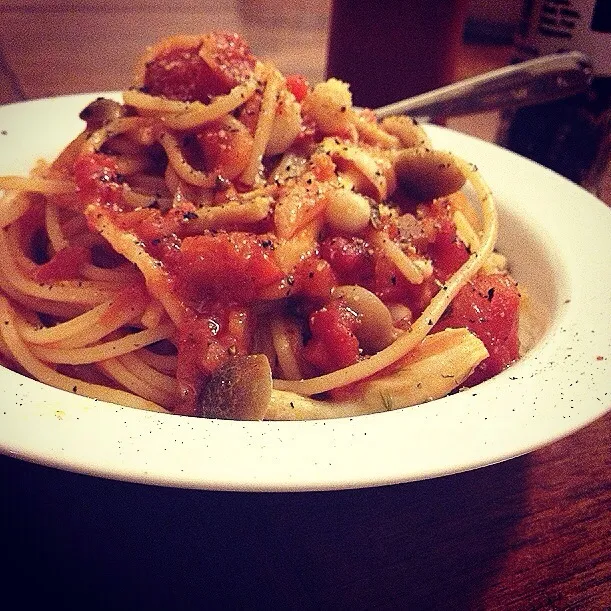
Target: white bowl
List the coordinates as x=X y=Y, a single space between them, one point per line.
x=558 y=240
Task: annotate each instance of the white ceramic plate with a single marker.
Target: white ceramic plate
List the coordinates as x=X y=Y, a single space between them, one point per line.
x=558 y=239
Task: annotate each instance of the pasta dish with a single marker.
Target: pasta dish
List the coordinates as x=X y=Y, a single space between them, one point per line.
x=231 y=242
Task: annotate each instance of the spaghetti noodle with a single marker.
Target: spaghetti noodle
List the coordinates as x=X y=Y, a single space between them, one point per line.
x=230 y=242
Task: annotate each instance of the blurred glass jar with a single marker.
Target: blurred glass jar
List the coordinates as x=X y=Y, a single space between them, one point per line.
x=570 y=136
x=392 y=49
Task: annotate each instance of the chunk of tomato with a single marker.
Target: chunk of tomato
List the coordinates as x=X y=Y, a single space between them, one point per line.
x=205 y=342
x=226 y=151
x=447 y=251
x=392 y=287
x=314 y=278
x=489 y=307
x=333 y=344
x=297 y=85
x=350 y=258
x=201 y=70
x=96 y=179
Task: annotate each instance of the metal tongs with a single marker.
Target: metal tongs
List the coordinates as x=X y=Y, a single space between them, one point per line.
x=547 y=78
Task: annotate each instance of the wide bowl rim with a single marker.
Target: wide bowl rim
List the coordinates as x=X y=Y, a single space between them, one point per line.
x=556 y=389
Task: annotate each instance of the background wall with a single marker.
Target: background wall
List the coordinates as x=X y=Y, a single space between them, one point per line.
x=53 y=47
x=57 y=46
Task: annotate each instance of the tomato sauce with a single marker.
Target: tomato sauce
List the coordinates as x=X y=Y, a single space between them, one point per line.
x=64 y=265
x=221 y=272
x=218 y=275
x=232 y=266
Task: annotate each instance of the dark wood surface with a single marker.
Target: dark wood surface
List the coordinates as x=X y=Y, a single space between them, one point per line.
x=529 y=533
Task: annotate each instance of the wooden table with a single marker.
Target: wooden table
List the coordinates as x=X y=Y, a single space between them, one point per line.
x=530 y=533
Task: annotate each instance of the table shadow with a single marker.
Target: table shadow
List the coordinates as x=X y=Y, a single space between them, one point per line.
x=79 y=541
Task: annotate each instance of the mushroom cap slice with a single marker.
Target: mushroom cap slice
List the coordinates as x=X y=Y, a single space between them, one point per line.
x=100 y=112
x=241 y=389
x=426 y=174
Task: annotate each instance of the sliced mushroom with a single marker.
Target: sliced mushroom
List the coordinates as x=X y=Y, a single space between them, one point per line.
x=100 y=112
x=376 y=330
x=426 y=174
x=241 y=389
